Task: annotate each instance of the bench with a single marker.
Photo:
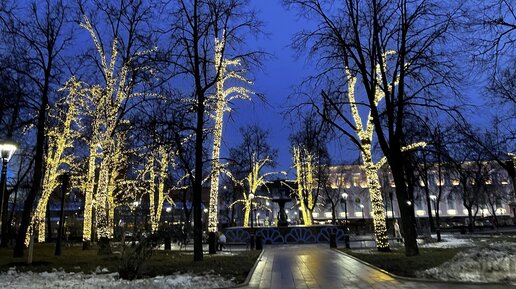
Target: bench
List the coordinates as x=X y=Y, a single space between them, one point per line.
x=230 y=245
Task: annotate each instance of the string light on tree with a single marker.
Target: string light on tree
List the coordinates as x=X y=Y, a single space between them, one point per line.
x=61 y=136
x=220 y=102
x=253 y=181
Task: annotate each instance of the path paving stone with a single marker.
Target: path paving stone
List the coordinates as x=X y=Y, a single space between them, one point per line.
x=318 y=267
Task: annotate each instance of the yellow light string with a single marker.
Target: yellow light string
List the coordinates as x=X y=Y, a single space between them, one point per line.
x=60 y=138
x=221 y=101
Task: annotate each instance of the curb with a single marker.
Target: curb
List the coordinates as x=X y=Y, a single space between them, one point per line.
x=423 y=280
x=249 y=275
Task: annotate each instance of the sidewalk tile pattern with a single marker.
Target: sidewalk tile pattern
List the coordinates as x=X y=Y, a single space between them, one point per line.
x=316 y=266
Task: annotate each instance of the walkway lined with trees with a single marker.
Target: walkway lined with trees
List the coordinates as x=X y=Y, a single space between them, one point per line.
x=317 y=266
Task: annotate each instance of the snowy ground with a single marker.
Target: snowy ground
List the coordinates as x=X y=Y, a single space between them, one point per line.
x=481 y=262
x=59 y=279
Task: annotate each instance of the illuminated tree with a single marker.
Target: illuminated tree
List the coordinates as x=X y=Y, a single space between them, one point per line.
x=157 y=170
x=36 y=35
x=254 y=146
x=61 y=137
x=253 y=182
x=106 y=104
x=194 y=26
x=222 y=99
x=303 y=162
x=357 y=36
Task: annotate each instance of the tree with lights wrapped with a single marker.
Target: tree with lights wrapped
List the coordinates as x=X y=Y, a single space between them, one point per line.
x=156 y=169
x=106 y=104
x=252 y=183
x=357 y=36
x=303 y=162
x=193 y=27
x=221 y=101
x=61 y=137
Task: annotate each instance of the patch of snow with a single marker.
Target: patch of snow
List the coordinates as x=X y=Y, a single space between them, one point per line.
x=60 y=279
x=449 y=241
x=495 y=262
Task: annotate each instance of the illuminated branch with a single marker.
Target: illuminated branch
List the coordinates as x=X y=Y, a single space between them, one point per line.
x=253 y=181
x=157 y=184
x=106 y=146
x=60 y=138
x=303 y=162
x=221 y=102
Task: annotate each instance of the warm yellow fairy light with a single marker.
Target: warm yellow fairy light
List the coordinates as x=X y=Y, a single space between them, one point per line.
x=106 y=145
x=254 y=181
x=221 y=102
x=306 y=184
x=60 y=138
x=157 y=184
x=365 y=136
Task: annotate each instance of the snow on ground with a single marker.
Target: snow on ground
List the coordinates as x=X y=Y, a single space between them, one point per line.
x=495 y=262
x=449 y=241
x=59 y=279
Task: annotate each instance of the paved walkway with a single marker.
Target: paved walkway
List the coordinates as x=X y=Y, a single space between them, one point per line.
x=317 y=266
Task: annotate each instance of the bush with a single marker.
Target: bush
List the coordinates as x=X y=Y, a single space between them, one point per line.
x=134 y=258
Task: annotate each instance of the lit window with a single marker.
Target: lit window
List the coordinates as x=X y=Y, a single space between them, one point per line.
x=355 y=181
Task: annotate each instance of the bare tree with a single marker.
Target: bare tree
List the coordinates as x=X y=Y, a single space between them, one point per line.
x=359 y=36
x=39 y=35
x=253 y=148
x=195 y=26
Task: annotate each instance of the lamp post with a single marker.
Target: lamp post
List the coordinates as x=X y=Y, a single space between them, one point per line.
x=7 y=149
x=345 y=198
x=392 y=212
x=434 y=198
x=362 y=208
x=135 y=206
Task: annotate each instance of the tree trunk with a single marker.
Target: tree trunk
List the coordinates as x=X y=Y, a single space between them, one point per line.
x=37 y=177
x=470 y=218
x=5 y=218
x=429 y=208
x=437 y=223
x=49 y=223
x=408 y=219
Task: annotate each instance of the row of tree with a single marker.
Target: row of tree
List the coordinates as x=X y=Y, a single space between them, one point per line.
x=130 y=97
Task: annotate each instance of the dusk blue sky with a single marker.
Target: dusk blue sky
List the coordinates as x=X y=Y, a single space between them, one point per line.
x=283 y=72
x=280 y=75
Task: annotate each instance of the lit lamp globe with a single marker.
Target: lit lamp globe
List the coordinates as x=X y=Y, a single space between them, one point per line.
x=344 y=196
x=7 y=149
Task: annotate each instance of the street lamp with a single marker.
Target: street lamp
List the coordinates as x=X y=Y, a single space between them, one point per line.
x=362 y=208
x=7 y=149
x=434 y=198
x=345 y=198
x=135 y=206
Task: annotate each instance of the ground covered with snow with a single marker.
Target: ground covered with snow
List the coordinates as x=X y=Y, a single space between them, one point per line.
x=60 y=279
x=449 y=241
x=492 y=262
